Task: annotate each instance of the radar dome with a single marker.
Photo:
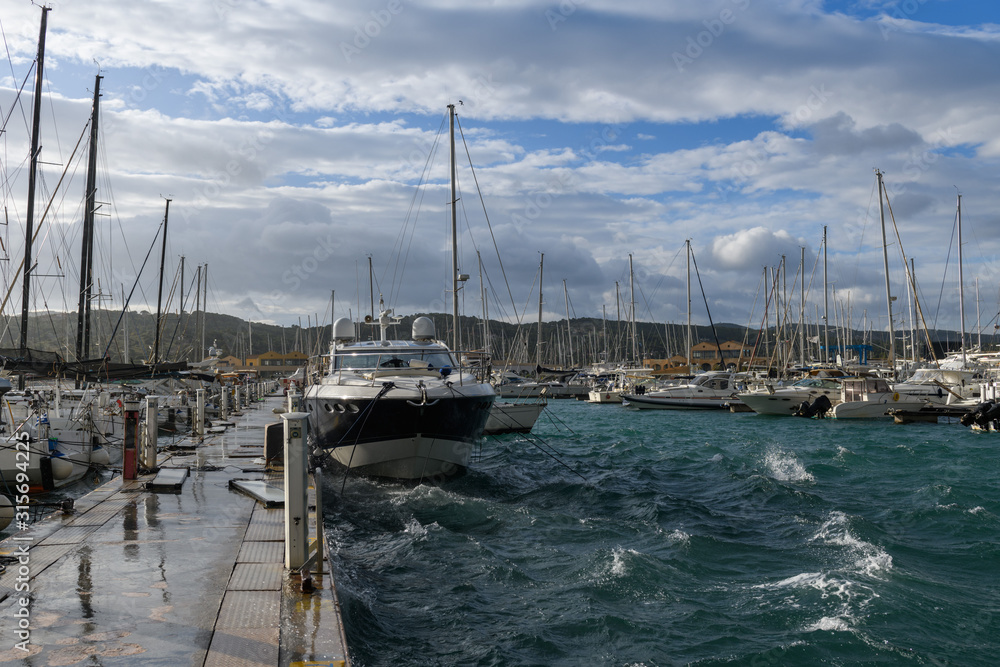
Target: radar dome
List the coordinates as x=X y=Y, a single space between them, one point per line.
x=343 y=329
x=423 y=328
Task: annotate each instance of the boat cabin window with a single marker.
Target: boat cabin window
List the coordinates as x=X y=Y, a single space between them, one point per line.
x=817 y=382
x=418 y=360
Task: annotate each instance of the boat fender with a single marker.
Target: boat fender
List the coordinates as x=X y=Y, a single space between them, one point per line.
x=99 y=456
x=61 y=467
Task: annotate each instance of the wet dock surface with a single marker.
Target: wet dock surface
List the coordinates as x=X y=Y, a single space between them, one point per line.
x=190 y=577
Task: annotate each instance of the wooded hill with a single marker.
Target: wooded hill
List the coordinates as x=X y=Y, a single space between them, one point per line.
x=590 y=339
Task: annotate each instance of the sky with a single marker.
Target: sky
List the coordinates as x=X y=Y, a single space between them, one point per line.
x=297 y=142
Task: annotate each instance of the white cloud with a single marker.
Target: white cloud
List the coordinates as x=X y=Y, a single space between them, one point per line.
x=270 y=136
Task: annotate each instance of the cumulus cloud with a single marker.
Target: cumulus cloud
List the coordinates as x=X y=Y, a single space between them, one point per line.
x=754 y=248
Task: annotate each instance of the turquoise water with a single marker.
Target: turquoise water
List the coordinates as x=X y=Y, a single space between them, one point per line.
x=687 y=538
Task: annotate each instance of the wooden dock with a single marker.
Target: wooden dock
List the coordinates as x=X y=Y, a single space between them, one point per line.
x=186 y=576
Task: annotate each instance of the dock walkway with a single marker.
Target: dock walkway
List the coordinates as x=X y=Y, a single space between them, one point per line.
x=191 y=577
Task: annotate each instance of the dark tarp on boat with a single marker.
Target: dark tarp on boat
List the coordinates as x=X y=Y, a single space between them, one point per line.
x=50 y=364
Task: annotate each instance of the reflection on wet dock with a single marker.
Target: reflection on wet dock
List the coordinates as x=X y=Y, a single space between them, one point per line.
x=190 y=574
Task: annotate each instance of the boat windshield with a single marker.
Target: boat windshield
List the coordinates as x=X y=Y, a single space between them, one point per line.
x=822 y=383
x=413 y=360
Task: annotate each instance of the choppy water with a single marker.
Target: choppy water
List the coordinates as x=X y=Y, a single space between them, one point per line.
x=693 y=538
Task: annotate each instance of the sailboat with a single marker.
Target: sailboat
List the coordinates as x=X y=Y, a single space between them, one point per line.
x=395 y=408
x=956 y=379
x=508 y=416
x=622 y=380
x=39 y=453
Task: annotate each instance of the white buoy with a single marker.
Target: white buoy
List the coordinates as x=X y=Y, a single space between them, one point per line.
x=61 y=467
x=6 y=512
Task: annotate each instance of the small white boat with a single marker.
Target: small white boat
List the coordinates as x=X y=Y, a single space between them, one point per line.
x=942 y=386
x=41 y=457
x=787 y=400
x=714 y=390
x=871 y=398
x=508 y=417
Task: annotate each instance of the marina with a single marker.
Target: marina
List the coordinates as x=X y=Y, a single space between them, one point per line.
x=756 y=426
x=185 y=570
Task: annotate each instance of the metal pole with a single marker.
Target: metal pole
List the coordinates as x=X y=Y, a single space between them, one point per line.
x=131 y=431
x=454 y=235
x=159 y=296
x=885 y=263
x=33 y=168
x=148 y=459
x=199 y=425
x=296 y=507
x=826 y=307
x=961 y=280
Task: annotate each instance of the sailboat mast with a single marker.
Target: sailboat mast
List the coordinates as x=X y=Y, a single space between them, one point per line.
x=569 y=332
x=159 y=293
x=687 y=244
x=604 y=330
x=454 y=232
x=913 y=314
x=30 y=215
x=802 y=305
x=538 y=341
x=618 y=321
x=885 y=263
x=631 y=289
x=486 y=312
x=961 y=279
x=87 y=250
x=826 y=306
x=979 y=321
x=204 y=308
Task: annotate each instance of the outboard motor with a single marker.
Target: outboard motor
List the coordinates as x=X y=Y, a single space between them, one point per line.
x=817 y=408
x=989 y=415
x=974 y=417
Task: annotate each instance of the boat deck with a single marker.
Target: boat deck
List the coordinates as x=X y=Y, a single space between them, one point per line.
x=928 y=414
x=194 y=575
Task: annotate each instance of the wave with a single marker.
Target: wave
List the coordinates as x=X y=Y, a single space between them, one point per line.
x=786 y=467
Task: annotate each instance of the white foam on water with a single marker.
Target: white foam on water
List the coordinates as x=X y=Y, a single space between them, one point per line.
x=416 y=530
x=827 y=584
x=679 y=536
x=619 y=561
x=978 y=509
x=830 y=624
x=786 y=467
x=717 y=458
x=865 y=558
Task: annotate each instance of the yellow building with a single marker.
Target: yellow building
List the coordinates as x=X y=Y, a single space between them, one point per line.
x=704 y=356
x=275 y=364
